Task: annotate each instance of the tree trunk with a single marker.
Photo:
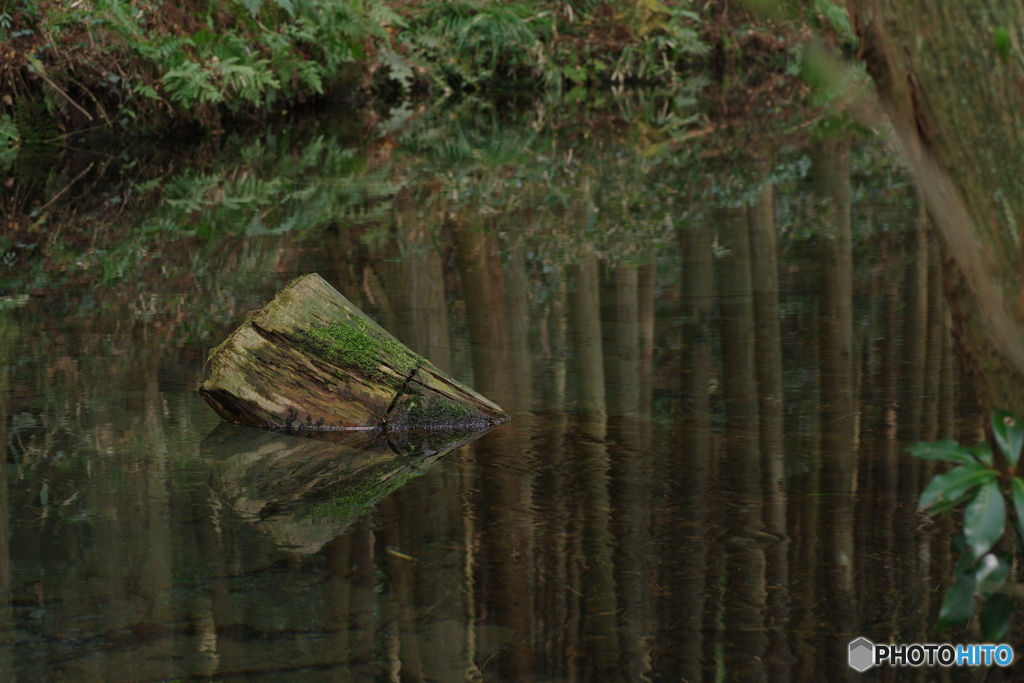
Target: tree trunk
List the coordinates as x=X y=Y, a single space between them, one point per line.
x=311 y=360
x=951 y=77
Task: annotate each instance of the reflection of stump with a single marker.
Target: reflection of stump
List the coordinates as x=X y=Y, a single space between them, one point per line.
x=311 y=359
x=302 y=492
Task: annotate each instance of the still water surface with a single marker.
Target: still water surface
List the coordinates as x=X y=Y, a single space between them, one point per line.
x=713 y=376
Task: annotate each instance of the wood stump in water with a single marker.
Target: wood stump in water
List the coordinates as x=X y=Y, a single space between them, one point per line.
x=311 y=360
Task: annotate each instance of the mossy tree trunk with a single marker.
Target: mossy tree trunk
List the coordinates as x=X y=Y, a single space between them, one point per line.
x=951 y=76
x=311 y=359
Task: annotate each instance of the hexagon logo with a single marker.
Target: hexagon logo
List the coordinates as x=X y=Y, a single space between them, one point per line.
x=862 y=654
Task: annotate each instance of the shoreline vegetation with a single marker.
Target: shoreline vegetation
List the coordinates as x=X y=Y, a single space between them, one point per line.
x=147 y=67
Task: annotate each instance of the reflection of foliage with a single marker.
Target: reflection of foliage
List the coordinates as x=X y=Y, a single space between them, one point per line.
x=978 y=482
x=553 y=182
x=271 y=191
x=568 y=194
x=136 y=241
x=556 y=180
x=10 y=141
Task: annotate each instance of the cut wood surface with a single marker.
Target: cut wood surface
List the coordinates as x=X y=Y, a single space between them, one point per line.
x=311 y=360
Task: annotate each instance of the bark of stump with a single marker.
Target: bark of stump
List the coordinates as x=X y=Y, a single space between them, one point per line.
x=311 y=360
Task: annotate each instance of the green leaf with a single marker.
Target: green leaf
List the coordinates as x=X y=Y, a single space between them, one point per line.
x=953 y=485
x=967 y=561
x=995 y=618
x=146 y=91
x=398 y=68
x=983 y=452
x=1009 y=433
x=945 y=505
x=947 y=450
x=958 y=604
x=959 y=546
x=985 y=518
x=1017 y=488
x=991 y=574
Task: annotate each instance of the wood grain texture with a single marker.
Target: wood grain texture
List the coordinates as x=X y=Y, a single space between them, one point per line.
x=311 y=360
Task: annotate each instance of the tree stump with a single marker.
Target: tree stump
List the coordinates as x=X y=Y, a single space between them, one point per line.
x=311 y=360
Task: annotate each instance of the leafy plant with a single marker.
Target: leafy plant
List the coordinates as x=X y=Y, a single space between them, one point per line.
x=982 y=480
x=10 y=141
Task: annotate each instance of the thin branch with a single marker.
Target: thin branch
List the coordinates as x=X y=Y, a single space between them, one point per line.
x=66 y=187
x=66 y=96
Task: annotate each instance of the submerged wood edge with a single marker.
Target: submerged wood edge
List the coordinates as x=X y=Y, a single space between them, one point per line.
x=311 y=361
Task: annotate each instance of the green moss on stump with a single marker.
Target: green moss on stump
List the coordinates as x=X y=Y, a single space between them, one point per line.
x=437 y=411
x=354 y=344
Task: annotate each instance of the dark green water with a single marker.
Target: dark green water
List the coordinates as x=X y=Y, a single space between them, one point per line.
x=714 y=367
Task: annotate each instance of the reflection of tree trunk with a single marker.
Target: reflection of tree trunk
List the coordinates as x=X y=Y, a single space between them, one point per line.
x=915 y=330
x=598 y=578
x=621 y=334
x=599 y=588
x=930 y=549
x=745 y=595
x=218 y=551
x=507 y=516
x=470 y=645
x=338 y=607
x=520 y=354
x=552 y=335
x=936 y=349
x=681 y=625
x=645 y=291
x=737 y=328
x=556 y=643
x=347 y=273
x=631 y=484
x=805 y=502
x=907 y=575
x=947 y=88
x=8 y=337
x=363 y=579
x=157 y=568
x=412 y=269
x=504 y=489
x=883 y=458
x=765 y=279
x=585 y=328
x=398 y=603
x=831 y=173
x=483 y=288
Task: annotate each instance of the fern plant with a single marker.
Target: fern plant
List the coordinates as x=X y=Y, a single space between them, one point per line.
x=475 y=41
